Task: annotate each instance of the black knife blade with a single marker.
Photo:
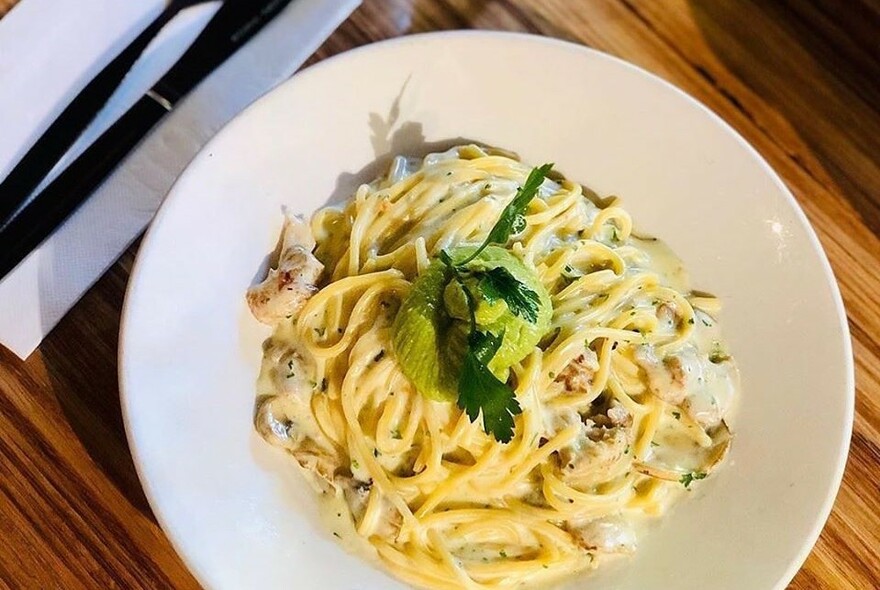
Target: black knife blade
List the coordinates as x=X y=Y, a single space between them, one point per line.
x=233 y=25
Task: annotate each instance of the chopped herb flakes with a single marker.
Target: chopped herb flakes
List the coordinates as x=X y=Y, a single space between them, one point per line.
x=676 y=415
x=688 y=478
x=718 y=355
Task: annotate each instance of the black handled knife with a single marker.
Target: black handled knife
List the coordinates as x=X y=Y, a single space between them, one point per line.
x=233 y=25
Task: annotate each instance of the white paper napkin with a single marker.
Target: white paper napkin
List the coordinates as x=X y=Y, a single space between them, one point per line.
x=48 y=50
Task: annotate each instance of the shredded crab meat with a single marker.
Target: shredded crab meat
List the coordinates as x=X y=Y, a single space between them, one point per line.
x=285 y=419
x=577 y=376
x=384 y=521
x=689 y=380
x=604 y=535
x=603 y=442
x=286 y=288
x=278 y=422
x=666 y=379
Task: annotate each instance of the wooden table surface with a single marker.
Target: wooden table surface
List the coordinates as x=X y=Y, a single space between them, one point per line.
x=800 y=79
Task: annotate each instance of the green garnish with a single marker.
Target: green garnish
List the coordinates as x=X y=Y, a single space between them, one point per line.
x=717 y=355
x=688 y=478
x=479 y=389
x=676 y=415
x=498 y=283
x=480 y=279
x=512 y=219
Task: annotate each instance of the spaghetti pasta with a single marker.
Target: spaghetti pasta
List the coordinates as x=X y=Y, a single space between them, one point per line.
x=623 y=400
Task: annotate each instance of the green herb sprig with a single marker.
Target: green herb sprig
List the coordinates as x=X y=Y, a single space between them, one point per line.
x=479 y=390
x=512 y=219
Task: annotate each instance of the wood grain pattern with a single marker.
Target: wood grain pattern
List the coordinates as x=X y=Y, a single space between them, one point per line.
x=800 y=79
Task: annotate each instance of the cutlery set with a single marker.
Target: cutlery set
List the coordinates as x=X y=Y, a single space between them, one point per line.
x=26 y=219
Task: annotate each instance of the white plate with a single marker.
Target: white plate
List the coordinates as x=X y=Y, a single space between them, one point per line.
x=236 y=509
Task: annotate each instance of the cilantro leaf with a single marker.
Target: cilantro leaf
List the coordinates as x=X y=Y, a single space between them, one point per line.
x=498 y=283
x=481 y=391
x=688 y=478
x=485 y=345
x=512 y=219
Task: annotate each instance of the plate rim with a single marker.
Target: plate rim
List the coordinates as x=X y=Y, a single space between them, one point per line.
x=834 y=484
